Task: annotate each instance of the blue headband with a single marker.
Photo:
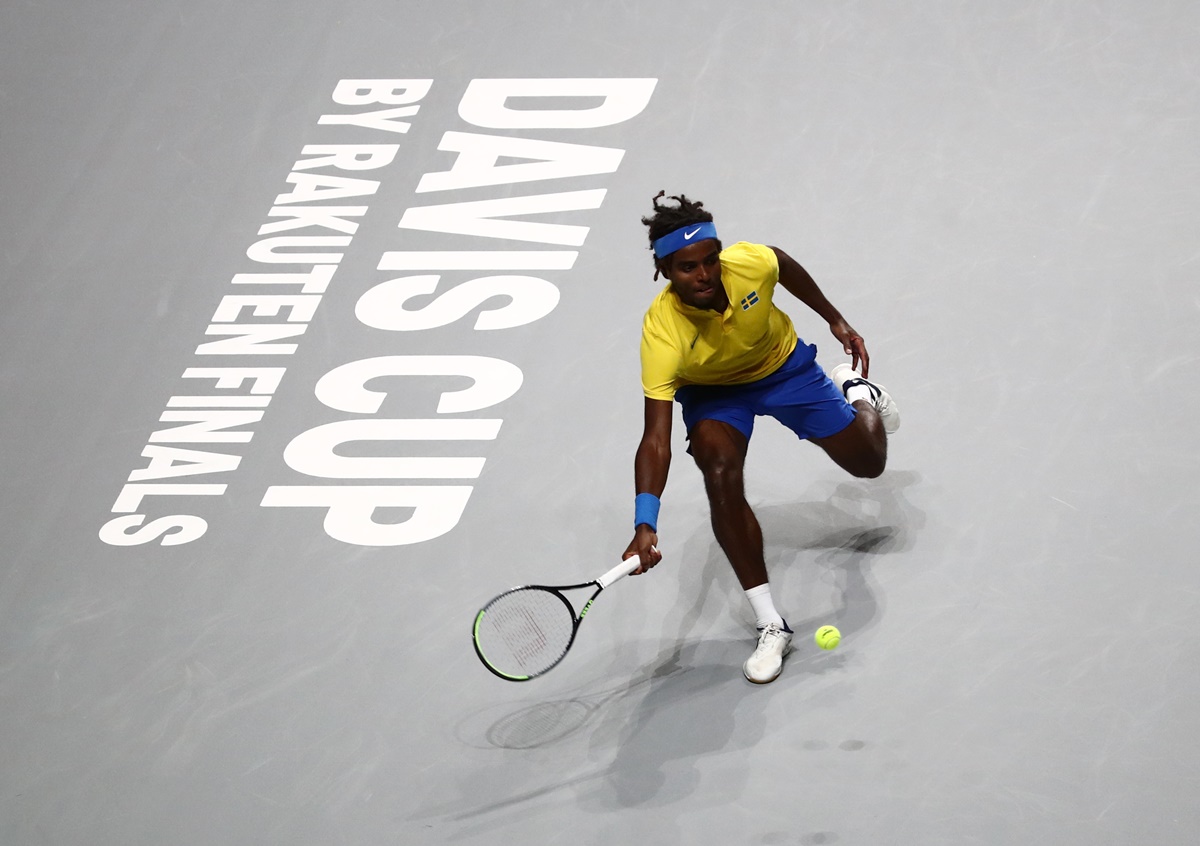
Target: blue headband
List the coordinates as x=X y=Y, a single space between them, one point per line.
x=674 y=241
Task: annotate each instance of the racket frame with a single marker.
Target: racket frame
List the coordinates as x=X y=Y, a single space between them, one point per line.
x=607 y=580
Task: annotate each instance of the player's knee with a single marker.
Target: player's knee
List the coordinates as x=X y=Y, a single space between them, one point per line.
x=870 y=465
x=872 y=471
x=724 y=476
x=722 y=472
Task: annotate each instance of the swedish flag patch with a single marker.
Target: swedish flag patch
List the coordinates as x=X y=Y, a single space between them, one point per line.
x=749 y=300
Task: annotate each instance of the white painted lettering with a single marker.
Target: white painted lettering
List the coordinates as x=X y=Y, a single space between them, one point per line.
x=204 y=427
x=350 y=510
x=314 y=281
x=251 y=339
x=312 y=187
x=267 y=250
x=347 y=156
x=217 y=402
x=495 y=380
x=326 y=217
x=530 y=299
x=384 y=119
x=313 y=452
x=265 y=380
x=131 y=495
x=301 y=307
x=174 y=530
x=475 y=218
x=485 y=102
x=478 y=155
x=171 y=462
x=389 y=92
x=479 y=260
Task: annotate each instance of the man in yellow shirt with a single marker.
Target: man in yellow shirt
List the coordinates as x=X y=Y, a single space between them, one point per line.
x=714 y=340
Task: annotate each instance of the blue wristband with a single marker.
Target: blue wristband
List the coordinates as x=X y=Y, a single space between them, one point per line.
x=645 y=510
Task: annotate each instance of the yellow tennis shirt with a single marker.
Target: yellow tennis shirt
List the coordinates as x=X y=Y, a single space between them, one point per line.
x=682 y=345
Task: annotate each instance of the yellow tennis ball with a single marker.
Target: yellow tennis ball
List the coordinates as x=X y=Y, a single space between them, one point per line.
x=828 y=637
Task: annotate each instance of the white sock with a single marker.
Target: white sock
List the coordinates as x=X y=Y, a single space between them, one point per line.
x=764 y=607
x=859 y=392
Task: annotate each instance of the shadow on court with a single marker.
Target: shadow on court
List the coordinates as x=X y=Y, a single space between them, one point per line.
x=696 y=703
x=691 y=703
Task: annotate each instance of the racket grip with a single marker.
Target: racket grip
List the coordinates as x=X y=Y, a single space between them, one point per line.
x=619 y=572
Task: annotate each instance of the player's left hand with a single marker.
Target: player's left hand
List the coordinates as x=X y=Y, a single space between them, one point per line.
x=853 y=344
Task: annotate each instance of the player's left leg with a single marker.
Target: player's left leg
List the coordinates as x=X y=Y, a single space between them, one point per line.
x=861 y=447
x=719 y=449
x=720 y=452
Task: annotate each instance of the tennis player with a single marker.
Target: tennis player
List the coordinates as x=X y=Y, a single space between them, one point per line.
x=714 y=340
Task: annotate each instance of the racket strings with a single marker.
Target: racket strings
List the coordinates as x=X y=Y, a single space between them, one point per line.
x=525 y=632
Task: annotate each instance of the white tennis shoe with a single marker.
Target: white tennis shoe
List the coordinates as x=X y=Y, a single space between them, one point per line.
x=845 y=377
x=766 y=663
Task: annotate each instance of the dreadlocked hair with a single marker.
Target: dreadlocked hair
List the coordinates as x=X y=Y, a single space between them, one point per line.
x=667 y=219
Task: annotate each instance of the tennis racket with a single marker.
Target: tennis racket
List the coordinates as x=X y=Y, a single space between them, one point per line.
x=524 y=632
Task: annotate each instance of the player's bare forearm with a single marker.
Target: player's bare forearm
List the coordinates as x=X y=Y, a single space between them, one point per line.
x=653 y=459
x=650 y=467
x=799 y=283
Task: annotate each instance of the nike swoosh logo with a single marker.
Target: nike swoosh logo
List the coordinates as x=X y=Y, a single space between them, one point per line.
x=694 y=340
x=687 y=236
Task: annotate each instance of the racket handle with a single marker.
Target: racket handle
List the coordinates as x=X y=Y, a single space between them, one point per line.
x=620 y=571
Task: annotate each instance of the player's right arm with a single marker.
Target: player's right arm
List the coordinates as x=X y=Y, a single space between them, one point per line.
x=650 y=468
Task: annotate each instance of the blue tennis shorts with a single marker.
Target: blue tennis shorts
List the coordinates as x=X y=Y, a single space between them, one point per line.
x=799 y=395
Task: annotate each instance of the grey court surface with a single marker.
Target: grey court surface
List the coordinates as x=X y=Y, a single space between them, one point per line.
x=211 y=635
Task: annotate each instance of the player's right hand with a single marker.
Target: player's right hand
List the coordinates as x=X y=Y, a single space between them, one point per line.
x=853 y=344
x=645 y=546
